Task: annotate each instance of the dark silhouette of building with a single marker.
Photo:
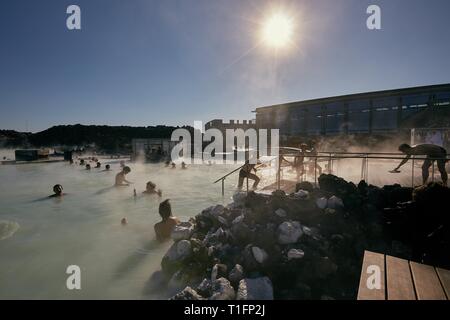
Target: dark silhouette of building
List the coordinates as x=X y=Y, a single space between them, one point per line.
x=371 y=112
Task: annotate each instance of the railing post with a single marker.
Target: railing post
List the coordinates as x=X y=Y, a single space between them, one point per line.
x=223 y=187
x=247 y=185
x=367 y=170
x=432 y=174
x=315 y=171
x=329 y=164
x=412 y=178
x=279 y=175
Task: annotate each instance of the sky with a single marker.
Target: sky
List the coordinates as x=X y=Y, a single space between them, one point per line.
x=152 y=62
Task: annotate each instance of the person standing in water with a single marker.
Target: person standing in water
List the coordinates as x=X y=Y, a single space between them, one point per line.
x=164 y=228
x=432 y=152
x=120 y=177
x=246 y=172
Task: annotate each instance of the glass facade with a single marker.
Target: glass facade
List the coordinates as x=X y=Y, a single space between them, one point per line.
x=362 y=113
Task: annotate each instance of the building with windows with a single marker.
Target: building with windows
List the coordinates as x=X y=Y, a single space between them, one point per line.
x=372 y=112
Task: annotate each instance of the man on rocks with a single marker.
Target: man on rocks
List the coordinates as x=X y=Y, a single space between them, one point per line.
x=432 y=152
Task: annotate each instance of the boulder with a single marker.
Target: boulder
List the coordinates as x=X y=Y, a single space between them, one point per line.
x=222 y=290
x=295 y=254
x=205 y=288
x=301 y=194
x=238 y=219
x=305 y=185
x=183 y=231
x=187 y=294
x=259 y=254
x=281 y=213
x=236 y=274
x=255 y=289
x=335 y=203
x=218 y=271
x=239 y=198
x=322 y=203
x=157 y=281
x=178 y=281
x=289 y=232
x=176 y=254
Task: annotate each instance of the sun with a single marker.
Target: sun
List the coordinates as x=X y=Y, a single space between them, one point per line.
x=277 y=31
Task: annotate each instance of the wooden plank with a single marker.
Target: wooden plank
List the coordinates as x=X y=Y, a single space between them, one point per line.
x=444 y=276
x=426 y=282
x=372 y=261
x=399 y=281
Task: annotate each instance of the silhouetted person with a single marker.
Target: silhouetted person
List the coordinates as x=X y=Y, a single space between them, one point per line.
x=246 y=172
x=164 y=228
x=88 y=167
x=432 y=152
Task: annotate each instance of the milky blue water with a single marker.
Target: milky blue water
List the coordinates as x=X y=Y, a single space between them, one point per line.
x=42 y=237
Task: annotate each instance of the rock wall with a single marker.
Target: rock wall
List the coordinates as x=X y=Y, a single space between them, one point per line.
x=306 y=245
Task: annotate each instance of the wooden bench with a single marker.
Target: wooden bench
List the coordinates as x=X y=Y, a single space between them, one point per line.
x=388 y=278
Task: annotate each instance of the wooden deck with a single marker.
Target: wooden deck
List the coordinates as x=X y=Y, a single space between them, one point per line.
x=388 y=278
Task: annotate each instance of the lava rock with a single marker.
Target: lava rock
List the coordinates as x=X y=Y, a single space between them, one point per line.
x=218 y=271
x=289 y=232
x=259 y=254
x=305 y=185
x=222 y=290
x=295 y=254
x=182 y=231
x=236 y=274
x=187 y=294
x=255 y=289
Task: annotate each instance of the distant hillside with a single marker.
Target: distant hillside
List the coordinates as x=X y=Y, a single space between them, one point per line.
x=12 y=139
x=106 y=138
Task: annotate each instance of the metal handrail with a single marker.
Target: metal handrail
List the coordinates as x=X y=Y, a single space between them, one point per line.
x=330 y=156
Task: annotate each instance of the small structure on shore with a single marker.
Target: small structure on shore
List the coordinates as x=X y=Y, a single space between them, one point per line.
x=31 y=154
x=151 y=150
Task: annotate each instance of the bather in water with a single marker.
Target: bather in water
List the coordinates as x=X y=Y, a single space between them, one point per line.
x=151 y=189
x=120 y=177
x=58 y=191
x=164 y=228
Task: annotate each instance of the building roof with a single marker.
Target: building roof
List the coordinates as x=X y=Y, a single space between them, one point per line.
x=365 y=95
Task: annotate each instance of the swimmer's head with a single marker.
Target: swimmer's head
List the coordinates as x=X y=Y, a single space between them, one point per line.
x=151 y=185
x=99 y=164
x=165 y=209
x=88 y=167
x=126 y=169
x=108 y=167
x=58 y=189
x=124 y=221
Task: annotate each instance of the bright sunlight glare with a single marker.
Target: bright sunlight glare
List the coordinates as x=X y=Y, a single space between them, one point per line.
x=278 y=30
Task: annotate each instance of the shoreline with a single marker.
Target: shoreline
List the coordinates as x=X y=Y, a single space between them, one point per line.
x=305 y=245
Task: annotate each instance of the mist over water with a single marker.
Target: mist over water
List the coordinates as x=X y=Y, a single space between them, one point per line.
x=41 y=237
x=83 y=228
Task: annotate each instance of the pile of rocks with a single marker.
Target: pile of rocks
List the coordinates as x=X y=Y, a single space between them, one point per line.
x=306 y=245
